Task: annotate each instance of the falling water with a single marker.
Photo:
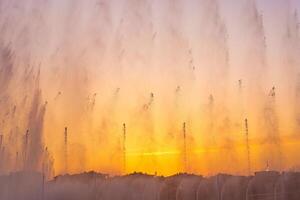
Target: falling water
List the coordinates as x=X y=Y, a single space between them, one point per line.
x=92 y=66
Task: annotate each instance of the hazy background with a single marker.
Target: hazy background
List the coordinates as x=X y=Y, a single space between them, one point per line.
x=92 y=65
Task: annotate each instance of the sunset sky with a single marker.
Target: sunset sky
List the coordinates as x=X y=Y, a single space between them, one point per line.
x=92 y=65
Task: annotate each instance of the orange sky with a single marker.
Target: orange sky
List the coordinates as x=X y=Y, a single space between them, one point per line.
x=152 y=66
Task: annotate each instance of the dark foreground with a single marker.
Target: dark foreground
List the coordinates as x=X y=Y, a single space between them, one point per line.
x=94 y=186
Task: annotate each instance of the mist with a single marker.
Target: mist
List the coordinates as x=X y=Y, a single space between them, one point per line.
x=92 y=66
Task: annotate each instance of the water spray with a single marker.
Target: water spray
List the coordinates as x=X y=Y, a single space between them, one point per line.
x=151 y=98
x=211 y=117
x=66 y=148
x=26 y=148
x=184 y=147
x=17 y=159
x=124 y=148
x=240 y=84
x=272 y=129
x=1 y=142
x=178 y=89
x=44 y=170
x=272 y=92
x=57 y=96
x=149 y=104
x=248 y=146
